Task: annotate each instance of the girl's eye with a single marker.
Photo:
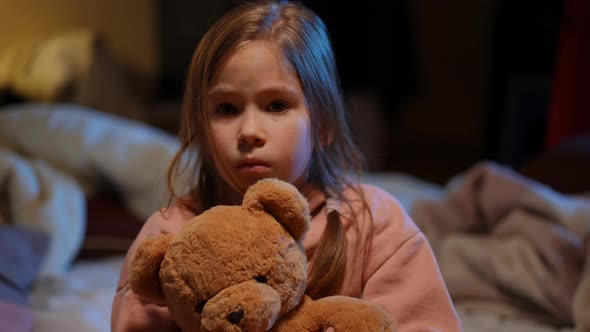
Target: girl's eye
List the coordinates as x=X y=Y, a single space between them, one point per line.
x=227 y=109
x=277 y=106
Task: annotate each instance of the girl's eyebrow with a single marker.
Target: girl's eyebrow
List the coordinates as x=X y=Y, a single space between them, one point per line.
x=281 y=90
x=221 y=91
x=271 y=90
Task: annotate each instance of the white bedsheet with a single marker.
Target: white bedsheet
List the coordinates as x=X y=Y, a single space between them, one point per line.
x=79 y=301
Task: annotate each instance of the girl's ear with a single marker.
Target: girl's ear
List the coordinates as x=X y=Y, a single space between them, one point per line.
x=144 y=271
x=283 y=201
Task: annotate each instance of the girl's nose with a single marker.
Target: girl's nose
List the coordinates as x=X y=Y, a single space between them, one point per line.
x=251 y=131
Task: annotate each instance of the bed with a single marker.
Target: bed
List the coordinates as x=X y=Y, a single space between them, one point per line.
x=79 y=182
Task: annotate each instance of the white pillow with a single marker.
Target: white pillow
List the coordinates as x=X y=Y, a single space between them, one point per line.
x=94 y=147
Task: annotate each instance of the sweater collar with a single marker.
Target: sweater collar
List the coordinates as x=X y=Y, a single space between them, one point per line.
x=315 y=197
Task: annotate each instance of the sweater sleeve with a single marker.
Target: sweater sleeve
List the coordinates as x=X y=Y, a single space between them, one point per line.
x=402 y=275
x=129 y=311
x=409 y=285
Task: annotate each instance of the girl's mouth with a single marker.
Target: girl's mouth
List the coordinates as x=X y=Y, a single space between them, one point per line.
x=253 y=165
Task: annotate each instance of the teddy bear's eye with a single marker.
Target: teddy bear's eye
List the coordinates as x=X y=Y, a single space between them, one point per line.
x=261 y=279
x=199 y=307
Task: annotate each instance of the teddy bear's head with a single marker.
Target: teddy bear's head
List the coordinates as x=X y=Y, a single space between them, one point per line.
x=232 y=268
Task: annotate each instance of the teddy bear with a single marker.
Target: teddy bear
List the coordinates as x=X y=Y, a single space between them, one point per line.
x=243 y=268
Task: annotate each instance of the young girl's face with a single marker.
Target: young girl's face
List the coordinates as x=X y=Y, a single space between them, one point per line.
x=260 y=124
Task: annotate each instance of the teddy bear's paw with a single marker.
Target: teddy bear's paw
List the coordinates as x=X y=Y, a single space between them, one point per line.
x=249 y=306
x=345 y=313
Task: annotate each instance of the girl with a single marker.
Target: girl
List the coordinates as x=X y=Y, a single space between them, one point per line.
x=263 y=100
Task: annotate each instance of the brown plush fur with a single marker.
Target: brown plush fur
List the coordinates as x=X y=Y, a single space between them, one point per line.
x=242 y=268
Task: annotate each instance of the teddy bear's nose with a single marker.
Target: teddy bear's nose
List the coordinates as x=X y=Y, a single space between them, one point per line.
x=236 y=317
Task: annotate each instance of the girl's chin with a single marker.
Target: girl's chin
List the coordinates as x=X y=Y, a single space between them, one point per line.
x=252 y=180
x=245 y=183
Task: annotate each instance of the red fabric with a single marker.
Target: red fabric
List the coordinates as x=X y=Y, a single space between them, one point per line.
x=110 y=227
x=570 y=105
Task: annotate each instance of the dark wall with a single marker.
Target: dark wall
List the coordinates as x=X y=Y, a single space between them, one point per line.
x=525 y=44
x=373 y=45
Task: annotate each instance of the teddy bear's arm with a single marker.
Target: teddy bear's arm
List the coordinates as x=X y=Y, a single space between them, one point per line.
x=144 y=272
x=342 y=313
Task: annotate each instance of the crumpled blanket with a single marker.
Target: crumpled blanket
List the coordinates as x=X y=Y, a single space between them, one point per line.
x=508 y=244
x=43 y=199
x=53 y=155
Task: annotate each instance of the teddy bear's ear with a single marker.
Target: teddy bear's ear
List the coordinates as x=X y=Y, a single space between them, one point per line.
x=144 y=271
x=281 y=200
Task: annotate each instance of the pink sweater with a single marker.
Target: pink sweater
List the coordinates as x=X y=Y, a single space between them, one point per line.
x=398 y=271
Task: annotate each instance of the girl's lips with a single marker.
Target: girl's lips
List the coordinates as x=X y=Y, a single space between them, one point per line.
x=255 y=168
x=252 y=165
x=248 y=163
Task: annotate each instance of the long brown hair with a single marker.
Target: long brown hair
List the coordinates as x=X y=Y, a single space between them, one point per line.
x=302 y=38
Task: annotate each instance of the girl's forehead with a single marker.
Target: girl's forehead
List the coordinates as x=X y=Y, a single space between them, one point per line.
x=252 y=53
x=254 y=67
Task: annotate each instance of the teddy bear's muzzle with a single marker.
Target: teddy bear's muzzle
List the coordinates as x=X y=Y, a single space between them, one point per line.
x=249 y=306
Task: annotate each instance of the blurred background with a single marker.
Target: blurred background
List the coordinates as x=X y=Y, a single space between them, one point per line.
x=432 y=86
